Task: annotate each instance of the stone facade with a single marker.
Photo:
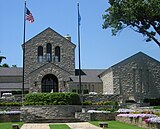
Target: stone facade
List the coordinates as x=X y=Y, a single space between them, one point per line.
x=36 y=69
x=135 y=78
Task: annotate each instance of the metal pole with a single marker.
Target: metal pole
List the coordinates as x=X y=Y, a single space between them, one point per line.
x=23 y=46
x=79 y=51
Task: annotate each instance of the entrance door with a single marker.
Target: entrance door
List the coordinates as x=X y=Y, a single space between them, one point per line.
x=49 y=83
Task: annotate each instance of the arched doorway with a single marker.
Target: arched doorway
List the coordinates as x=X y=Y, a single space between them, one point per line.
x=49 y=83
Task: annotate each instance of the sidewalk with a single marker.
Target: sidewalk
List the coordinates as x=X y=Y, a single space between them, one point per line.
x=79 y=125
x=35 y=126
x=82 y=125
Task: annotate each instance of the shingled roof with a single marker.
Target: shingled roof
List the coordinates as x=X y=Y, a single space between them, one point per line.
x=88 y=75
x=11 y=71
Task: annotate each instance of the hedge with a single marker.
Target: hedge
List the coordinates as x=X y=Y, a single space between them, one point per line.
x=153 y=102
x=52 y=99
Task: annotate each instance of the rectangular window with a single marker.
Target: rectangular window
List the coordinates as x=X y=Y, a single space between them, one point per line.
x=48 y=57
x=40 y=59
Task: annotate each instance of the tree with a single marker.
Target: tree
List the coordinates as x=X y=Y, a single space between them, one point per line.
x=143 y=16
x=4 y=65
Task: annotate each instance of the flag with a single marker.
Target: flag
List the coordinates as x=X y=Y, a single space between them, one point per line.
x=28 y=16
x=79 y=16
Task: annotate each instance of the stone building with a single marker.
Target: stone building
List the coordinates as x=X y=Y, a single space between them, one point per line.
x=50 y=67
x=136 y=78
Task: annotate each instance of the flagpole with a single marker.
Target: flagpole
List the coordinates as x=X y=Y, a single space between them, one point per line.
x=23 y=46
x=79 y=54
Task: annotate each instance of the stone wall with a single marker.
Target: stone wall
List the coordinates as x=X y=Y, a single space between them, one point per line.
x=10 y=117
x=34 y=113
x=66 y=64
x=101 y=98
x=10 y=108
x=107 y=79
x=137 y=77
x=138 y=122
x=84 y=116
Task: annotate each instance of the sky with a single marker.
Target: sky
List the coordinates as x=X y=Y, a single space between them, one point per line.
x=99 y=49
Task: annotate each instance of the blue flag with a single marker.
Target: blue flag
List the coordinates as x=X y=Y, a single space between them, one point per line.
x=79 y=16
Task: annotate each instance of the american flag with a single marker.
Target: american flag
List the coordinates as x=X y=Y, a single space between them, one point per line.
x=29 y=16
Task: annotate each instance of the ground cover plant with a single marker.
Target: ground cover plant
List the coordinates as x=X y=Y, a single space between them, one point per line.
x=116 y=125
x=8 y=125
x=59 y=126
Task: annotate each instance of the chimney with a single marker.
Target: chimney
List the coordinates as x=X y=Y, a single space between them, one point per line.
x=68 y=37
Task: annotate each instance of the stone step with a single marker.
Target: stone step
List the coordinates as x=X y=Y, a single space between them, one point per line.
x=57 y=120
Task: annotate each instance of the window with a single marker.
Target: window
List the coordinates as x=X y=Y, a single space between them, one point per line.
x=40 y=54
x=57 y=54
x=49 y=53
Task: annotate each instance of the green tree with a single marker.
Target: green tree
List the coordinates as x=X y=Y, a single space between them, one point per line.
x=143 y=16
x=5 y=65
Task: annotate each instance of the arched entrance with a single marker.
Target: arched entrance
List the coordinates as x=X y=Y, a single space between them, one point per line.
x=49 y=83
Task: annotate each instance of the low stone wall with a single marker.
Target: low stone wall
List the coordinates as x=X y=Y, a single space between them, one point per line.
x=10 y=108
x=10 y=117
x=138 y=122
x=95 y=116
x=100 y=98
x=33 y=113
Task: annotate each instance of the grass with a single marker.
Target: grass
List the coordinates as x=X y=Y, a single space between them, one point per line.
x=116 y=125
x=59 y=126
x=8 y=125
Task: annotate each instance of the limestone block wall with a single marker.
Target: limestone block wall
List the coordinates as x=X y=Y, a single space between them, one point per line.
x=94 y=116
x=137 y=77
x=67 y=50
x=101 y=98
x=138 y=122
x=90 y=86
x=107 y=79
x=32 y=113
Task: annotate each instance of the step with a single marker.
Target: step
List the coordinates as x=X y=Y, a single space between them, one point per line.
x=56 y=120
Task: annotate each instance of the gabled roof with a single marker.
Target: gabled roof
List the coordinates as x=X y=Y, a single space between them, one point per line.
x=11 y=71
x=50 y=29
x=88 y=75
x=137 y=56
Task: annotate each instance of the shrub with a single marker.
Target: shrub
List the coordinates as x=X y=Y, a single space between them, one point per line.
x=52 y=99
x=130 y=101
x=87 y=103
x=10 y=103
x=153 y=102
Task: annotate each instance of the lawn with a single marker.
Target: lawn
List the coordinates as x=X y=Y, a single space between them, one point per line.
x=116 y=125
x=59 y=126
x=8 y=125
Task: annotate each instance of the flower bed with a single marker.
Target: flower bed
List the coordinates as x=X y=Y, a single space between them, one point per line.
x=150 y=121
x=153 y=120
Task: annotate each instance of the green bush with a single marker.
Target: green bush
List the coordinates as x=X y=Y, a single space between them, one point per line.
x=153 y=102
x=130 y=101
x=87 y=103
x=52 y=99
x=113 y=103
x=10 y=103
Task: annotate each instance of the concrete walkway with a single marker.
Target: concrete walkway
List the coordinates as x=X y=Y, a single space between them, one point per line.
x=79 y=125
x=35 y=126
x=82 y=125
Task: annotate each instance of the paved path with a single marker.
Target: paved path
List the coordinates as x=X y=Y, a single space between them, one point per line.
x=35 y=126
x=79 y=125
x=82 y=125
